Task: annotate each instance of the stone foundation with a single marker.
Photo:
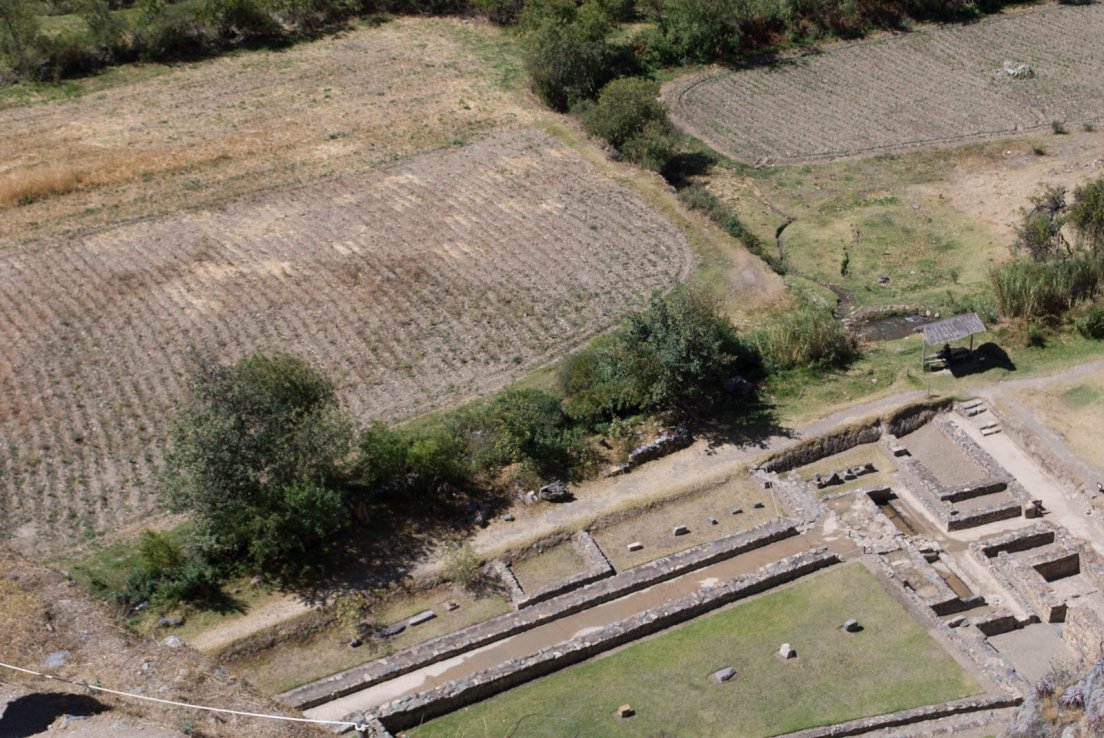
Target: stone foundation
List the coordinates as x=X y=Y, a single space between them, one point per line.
x=908 y=717
x=414 y=710
x=454 y=644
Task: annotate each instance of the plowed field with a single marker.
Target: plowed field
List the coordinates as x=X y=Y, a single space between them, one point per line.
x=423 y=283
x=937 y=85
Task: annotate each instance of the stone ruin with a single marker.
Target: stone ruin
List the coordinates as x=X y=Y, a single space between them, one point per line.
x=1018 y=70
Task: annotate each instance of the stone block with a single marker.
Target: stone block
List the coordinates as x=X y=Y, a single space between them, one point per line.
x=852 y=626
x=452 y=605
x=737 y=511
x=422 y=617
x=392 y=630
x=509 y=518
x=712 y=520
x=680 y=530
x=635 y=546
x=625 y=711
x=758 y=505
x=787 y=652
x=722 y=675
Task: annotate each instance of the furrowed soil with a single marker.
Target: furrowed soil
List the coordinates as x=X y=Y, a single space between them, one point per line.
x=432 y=281
x=940 y=84
x=384 y=203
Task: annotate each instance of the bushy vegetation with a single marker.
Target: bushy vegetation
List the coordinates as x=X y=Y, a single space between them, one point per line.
x=629 y=115
x=1050 y=276
x=698 y=197
x=1091 y=324
x=807 y=337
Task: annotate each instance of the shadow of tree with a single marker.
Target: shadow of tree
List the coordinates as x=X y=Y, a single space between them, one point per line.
x=33 y=714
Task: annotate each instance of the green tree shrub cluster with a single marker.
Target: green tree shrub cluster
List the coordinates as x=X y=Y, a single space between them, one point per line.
x=629 y=115
x=676 y=356
x=1050 y=276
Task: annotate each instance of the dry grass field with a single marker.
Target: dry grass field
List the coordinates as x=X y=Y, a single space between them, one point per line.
x=200 y=134
x=937 y=85
x=430 y=281
x=1072 y=409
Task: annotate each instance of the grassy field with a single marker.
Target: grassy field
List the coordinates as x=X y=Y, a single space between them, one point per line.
x=939 y=84
x=1074 y=411
x=891 y=665
x=548 y=567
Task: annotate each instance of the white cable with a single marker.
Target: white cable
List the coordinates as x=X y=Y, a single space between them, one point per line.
x=359 y=727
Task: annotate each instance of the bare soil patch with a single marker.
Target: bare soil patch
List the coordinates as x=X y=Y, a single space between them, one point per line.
x=430 y=282
x=939 y=84
x=548 y=567
x=204 y=133
x=1073 y=410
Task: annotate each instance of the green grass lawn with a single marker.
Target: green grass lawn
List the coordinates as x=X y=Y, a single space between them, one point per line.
x=893 y=664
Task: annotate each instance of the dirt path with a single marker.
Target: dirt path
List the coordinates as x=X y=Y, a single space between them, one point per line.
x=279 y=609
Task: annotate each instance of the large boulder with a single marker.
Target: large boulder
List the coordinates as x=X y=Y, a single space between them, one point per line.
x=554 y=492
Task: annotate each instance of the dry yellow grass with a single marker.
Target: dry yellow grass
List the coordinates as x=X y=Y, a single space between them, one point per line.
x=203 y=133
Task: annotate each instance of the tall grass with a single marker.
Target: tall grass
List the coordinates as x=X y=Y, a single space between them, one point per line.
x=23 y=187
x=698 y=197
x=807 y=337
x=1029 y=289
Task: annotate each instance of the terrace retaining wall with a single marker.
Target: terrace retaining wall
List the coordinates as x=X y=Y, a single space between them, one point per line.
x=1083 y=632
x=597 y=567
x=909 y=717
x=414 y=710
x=504 y=626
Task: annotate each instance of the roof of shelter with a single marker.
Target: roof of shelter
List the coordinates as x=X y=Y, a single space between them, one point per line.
x=952 y=329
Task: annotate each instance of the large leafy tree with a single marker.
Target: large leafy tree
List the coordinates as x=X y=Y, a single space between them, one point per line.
x=255 y=457
x=19 y=34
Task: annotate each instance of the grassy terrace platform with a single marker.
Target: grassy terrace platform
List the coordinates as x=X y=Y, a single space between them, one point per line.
x=893 y=664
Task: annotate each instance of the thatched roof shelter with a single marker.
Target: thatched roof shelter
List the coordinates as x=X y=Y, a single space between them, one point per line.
x=952 y=329
x=944 y=332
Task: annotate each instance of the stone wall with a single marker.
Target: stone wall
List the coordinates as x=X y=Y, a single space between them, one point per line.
x=908 y=717
x=454 y=644
x=905 y=420
x=414 y=710
x=1083 y=632
x=597 y=567
x=819 y=447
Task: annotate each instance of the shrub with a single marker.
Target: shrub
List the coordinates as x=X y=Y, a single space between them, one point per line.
x=1027 y=289
x=675 y=356
x=1058 y=127
x=1039 y=234
x=625 y=107
x=568 y=54
x=1086 y=214
x=1091 y=324
x=695 y=31
x=462 y=566
x=253 y=454
x=807 y=337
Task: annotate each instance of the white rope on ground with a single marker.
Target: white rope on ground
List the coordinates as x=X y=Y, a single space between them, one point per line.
x=359 y=727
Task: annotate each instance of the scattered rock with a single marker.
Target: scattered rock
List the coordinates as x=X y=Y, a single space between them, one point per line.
x=625 y=711
x=356 y=643
x=509 y=518
x=636 y=546
x=883 y=279
x=173 y=642
x=452 y=605
x=255 y=581
x=554 y=492
x=758 y=505
x=787 y=652
x=422 y=617
x=737 y=511
x=169 y=622
x=1018 y=70
x=392 y=630
x=680 y=530
x=956 y=622
x=852 y=626
x=618 y=469
x=664 y=444
x=57 y=658
x=722 y=675
x=712 y=520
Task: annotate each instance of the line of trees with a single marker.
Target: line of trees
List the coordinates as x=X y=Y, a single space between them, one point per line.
x=269 y=467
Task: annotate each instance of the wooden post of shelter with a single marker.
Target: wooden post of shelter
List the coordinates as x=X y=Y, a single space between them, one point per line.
x=947 y=330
